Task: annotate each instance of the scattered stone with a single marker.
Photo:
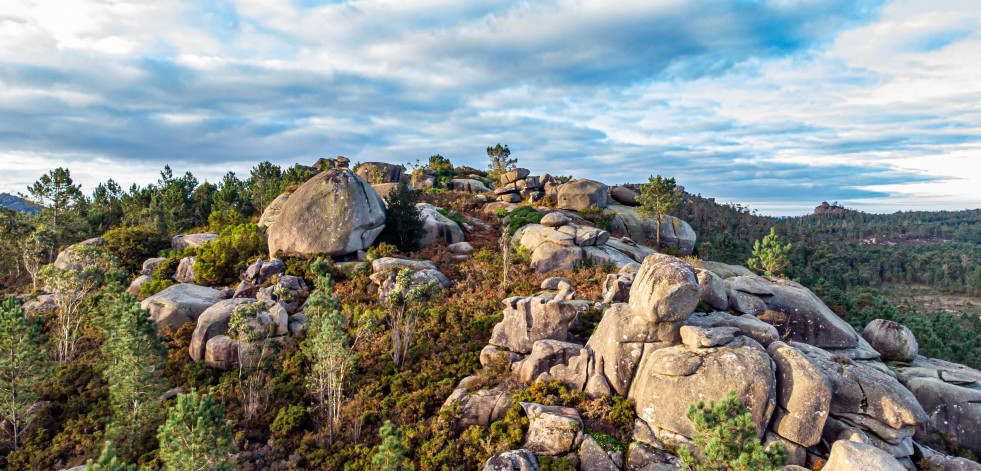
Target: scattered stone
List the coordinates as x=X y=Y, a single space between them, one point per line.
x=211 y=323
x=582 y=194
x=894 y=341
x=713 y=289
x=512 y=460
x=665 y=289
x=528 y=320
x=184 y=241
x=137 y=284
x=514 y=175
x=556 y=282
x=699 y=337
x=438 y=226
x=555 y=219
x=480 y=407
x=593 y=457
x=179 y=304
x=185 y=270
x=851 y=456
x=460 y=248
x=150 y=264
x=67 y=260
x=552 y=430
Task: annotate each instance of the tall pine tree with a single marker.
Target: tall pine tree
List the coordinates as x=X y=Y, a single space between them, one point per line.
x=195 y=436
x=23 y=366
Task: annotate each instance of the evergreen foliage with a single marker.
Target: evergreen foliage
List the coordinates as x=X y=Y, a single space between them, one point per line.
x=23 y=366
x=500 y=161
x=657 y=199
x=136 y=358
x=195 y=436
x=726 y=439
x=109 y=461
x=405 y=304
x=265 y=184
x=220 y=261
x=391 y=452
x=132 y=245
x=769 y=256
x=403 y=226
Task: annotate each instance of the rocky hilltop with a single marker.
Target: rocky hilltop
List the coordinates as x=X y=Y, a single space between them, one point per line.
x=586 y=355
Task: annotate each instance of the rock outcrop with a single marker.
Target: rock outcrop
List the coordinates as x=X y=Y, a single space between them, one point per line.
x=380 y=172
x=184 y=241
x=528 y=320
x=438 y=226
x=335 y=212
x=582 y=194
x=179 y=304
x=68 y=259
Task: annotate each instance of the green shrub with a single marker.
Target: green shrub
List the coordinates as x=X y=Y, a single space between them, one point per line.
x=726 y=437
x=403 y=228
x=219 y=220
x=289 y=418
x=522 y=216
x=220 y=261
x=133 y=245
x=602 y=218
x=153 y=287
x=453 y=216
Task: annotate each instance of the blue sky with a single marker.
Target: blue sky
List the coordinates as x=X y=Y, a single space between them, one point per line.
x=776 y=104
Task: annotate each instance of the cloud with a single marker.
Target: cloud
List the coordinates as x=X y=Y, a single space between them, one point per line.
x=774 y=103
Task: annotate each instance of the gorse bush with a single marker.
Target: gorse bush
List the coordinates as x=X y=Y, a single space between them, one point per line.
x=220 y=261
x=133 y=245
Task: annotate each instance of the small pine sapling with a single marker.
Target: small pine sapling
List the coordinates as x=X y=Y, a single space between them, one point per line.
x=726 y=439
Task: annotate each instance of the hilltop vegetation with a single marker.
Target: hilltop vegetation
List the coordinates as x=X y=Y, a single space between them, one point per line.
x=295 y=345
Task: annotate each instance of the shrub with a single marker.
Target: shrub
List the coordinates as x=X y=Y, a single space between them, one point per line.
x=220 y=261
x=770 y=257
x=602 y=218
x=726 y=436
x=381 y=250
x=522 y=216
x=133 y=245
x=289 y=418
x=219 y=220
x=403 y=227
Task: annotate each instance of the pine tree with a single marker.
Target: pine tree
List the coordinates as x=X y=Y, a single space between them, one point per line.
x=327 y=349
x=657 y=199
x=108 y=461
x=23 y=365
x=195 y=436
x=726 y=437
x=35 y=251
x=57 y=192
x=265 y=183
x=769 y=256
x=403 y=226
x=252 y=332
x=391 y=452
x=136 y=359
x=500 y=161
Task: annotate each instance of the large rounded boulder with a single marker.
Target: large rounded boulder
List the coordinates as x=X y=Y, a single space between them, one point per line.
x=335 y=212
x=892 y=340
x=582 y=194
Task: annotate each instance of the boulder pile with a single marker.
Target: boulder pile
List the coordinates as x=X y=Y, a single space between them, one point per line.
x=557 y=244
x=518 y=185
x=808 y=380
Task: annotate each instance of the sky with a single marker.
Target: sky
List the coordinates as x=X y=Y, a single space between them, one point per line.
x=774 y=104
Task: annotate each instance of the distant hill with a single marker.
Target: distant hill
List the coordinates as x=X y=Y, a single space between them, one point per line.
x=825 y=208
x=16 y=204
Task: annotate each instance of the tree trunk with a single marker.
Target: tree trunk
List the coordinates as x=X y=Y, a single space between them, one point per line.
x=658 y=233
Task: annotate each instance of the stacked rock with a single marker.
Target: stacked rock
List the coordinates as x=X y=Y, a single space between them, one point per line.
x=808 y=380
x=517 y=185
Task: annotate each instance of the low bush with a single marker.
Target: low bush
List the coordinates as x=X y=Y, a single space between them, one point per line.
x=522 y=216
x=133 y=245
x=220 y=261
